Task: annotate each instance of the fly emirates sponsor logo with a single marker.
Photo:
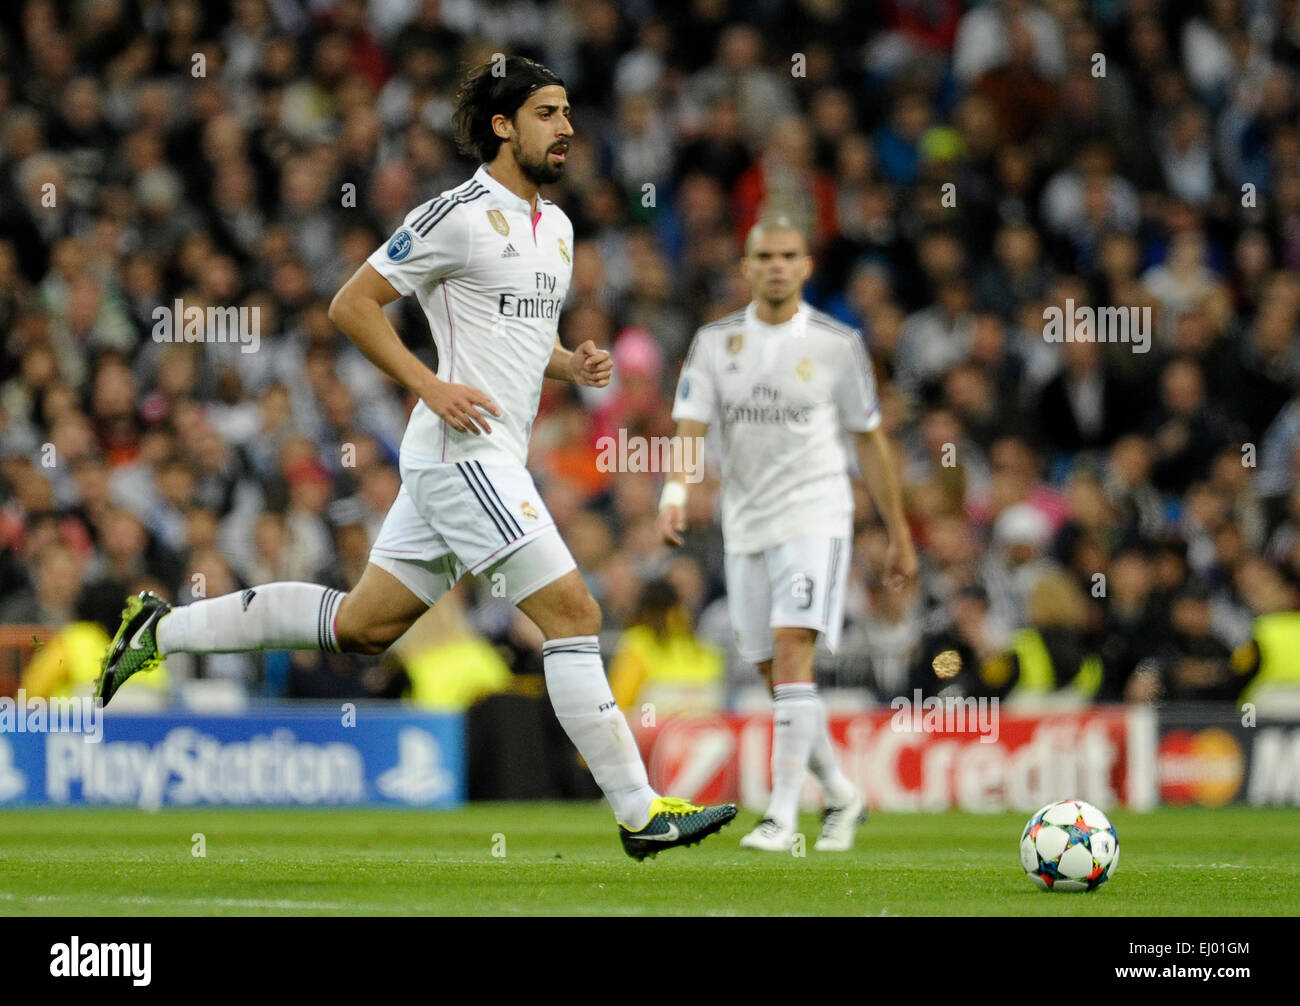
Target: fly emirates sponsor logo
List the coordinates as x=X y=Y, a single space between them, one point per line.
x=541 y=303
x=766 y=407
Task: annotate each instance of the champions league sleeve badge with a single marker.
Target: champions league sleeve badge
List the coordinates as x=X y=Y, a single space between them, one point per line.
x=400 y=246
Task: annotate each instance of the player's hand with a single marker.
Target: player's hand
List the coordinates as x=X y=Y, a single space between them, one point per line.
x=591 y=366
x=671 y=524
x=900 y=562
x=461 y=407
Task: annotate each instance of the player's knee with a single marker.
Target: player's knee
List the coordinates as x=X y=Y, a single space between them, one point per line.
x=792 y=654
x=586 y=616
x=793 y=637
x=369 y=640
x=579 y=615
x=357 y=634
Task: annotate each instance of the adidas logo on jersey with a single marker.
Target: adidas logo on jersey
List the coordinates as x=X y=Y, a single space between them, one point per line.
x=510 y=252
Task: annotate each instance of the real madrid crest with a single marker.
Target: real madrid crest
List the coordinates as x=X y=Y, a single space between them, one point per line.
x=564 y=249
x=498 y=221
x=734 y=342
x=528 y=510
x=804 y=371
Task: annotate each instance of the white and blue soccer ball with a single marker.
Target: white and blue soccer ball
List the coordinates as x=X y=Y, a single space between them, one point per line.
x=1069 y=846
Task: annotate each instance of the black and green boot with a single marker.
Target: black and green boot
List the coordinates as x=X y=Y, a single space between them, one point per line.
x=674 y=822
x=135 y=647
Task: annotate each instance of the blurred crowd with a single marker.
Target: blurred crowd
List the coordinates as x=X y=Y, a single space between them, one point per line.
x=1091 y=518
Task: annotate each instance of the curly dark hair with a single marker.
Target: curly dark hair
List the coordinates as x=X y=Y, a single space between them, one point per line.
x=497 y=87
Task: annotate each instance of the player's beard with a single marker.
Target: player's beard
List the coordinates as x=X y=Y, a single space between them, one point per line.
x=777 y=294
x=540 y=171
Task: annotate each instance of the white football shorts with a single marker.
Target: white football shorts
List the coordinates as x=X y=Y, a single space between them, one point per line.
x=798 y=584
x=478 y=516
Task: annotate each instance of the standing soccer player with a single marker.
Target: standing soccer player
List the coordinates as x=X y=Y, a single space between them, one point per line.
x=490 y=263
x=784 y=380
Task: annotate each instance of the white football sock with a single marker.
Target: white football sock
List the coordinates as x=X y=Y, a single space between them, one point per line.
x=835 y=784
x=794 y=727
x=274 y=616
x=585 y=707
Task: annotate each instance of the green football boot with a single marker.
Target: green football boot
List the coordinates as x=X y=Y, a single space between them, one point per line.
x=674 y=822
x=135 y=647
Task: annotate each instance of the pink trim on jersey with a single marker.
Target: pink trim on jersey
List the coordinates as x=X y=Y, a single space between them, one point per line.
x=537 y=215
x=451 y=367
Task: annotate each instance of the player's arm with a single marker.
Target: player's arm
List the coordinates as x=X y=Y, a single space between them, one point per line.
x=694 y=407
x=358 y=310
x=876 y=461
x=585 y=365
x=859 y=409
x=672 y=503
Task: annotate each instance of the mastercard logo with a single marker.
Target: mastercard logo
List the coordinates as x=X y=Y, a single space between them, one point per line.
x=1205 y=767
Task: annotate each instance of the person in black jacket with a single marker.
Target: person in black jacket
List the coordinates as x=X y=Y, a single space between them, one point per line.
x=1086 y=406
x=1192 y=663
x=949 y=660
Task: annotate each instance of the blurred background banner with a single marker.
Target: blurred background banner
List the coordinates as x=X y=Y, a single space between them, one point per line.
x=1131 y=757
x=1099 y=755
x=1208 y=758
x=289 y=756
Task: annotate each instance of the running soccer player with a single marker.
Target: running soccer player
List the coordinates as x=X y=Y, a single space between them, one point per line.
x=490 y=263
x=785 y=380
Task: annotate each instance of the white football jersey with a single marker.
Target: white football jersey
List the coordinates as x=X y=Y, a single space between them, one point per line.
x=782 y=395
x=491 y=279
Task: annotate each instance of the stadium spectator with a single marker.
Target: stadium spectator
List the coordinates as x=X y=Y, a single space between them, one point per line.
x=1053 y=656
x=445 y=664
x=948 y=661
x=1087 y=406
x=660 y=661
x=128 y=179
x=1192 y=663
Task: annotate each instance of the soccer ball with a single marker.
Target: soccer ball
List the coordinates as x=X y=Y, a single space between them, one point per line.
x=1069 y=846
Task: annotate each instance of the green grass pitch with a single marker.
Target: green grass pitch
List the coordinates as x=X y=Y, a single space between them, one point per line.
x=565 y=859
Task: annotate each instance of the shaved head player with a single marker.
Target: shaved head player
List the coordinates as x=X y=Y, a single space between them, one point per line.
x=783 y=381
